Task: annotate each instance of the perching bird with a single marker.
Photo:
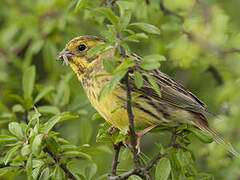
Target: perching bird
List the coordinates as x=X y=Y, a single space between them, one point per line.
x=176 y=105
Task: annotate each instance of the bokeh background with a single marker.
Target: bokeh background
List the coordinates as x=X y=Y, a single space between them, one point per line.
x=200 y=39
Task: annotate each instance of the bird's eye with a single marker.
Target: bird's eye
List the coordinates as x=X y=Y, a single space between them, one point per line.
x=82 y=47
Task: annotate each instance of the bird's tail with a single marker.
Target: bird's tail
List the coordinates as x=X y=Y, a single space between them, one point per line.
x=203 y=125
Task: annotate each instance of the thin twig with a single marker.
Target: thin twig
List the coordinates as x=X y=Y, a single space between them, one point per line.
x=154 y=161
x=169 y=12
x=115 y=162
x=62 y=165
x=133 y=136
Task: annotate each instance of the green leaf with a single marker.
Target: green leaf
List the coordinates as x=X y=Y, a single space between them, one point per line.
x=201 y=135
x=163 y=169
x=151 y=62
x=43 y=93
x=103 y=91
x=138 y=79
x=26 y=149
x=10 y=153
x=45 y=174
x=80 y=5
x=125 y=19
x=184 y=157
x=16 y=129
x=29 y=167
x=6 y=138
x=149 y=28
x=28 y=81
x=52 y=145
x=110 y=15
x=95 y=49
x=125 y=64
x=49 y=109
x=56 y=119
x=109 y=65
x=36 y=145
x=70 y=154
x=18 y=108
x=154 y=85
x=87 y=168
x=115 y=80
x=135 y=37
x=58 y=173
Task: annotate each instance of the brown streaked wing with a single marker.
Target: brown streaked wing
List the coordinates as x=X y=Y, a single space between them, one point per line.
x=172 y=92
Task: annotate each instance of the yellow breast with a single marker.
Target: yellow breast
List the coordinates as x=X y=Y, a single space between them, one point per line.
x=113 y=107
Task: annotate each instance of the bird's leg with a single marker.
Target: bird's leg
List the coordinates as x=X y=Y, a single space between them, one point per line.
x=140 y=134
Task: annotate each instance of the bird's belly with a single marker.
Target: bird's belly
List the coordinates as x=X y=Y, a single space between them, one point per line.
x=112 y=108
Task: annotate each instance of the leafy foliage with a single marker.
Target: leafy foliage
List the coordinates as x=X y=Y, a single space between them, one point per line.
x=45 y=126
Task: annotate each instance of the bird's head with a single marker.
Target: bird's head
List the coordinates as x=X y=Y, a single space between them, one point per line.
x=75 y=53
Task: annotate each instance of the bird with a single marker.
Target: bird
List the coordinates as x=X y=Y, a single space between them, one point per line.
x=175 y=106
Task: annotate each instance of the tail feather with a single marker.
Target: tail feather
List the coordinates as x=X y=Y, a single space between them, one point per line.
x=203 y=125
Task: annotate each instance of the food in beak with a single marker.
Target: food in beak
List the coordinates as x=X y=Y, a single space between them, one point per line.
x=63 y=56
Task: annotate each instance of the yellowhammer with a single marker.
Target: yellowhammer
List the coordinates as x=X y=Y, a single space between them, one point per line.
x=176 y=105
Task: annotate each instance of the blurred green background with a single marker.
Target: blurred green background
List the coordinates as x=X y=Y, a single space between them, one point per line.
x=199 y=38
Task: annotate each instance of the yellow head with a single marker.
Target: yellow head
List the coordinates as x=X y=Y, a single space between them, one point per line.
x=75 y=53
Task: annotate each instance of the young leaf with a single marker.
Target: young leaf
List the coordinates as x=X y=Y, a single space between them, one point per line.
x=29 y=167
x=149 y=28
x=163 y=169
x=37 y=144
x=110 y=15
x=28 y=81
x=96 y=49
x=125 y=64
x=76 y=154
x=154 y=85
x=52 y=145
x=10 y=153
x=58 y=173
x=136 y=36
x=138 y=79
x=151 y=62
x=109 y=65
x=45 y=174
x=116 y=78
x=43 y=93
x=103 y=91
x=125 y=19
x=16 y=129
x=49 y=109
x=54 y=120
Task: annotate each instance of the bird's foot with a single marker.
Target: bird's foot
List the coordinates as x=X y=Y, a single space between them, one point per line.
x=139 y=135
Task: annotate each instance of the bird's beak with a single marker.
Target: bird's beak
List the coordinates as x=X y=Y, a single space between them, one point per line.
x=64 y=56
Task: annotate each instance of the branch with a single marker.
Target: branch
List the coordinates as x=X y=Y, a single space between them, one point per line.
x=133 y=136
x=62 y=165
x=154 y=161
x=115 y=162
x=169 y=12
